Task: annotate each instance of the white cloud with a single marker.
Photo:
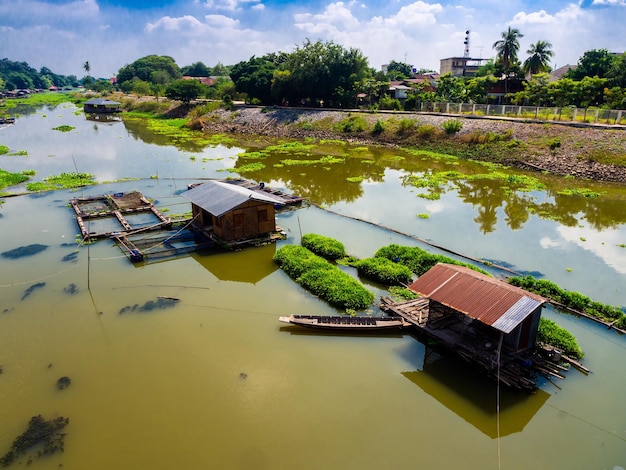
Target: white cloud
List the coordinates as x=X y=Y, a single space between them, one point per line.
x=603 y=244
x=184 y=23
x=230 y=5
x=538 y=17
x=334 y=14
x=418 y=13
x=609 y=2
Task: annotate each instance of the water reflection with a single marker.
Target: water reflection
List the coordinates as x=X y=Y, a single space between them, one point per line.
x=462 y=390
x=250 y=265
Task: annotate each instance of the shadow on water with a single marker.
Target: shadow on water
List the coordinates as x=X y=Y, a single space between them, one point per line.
x=473 y=397
x=250 y=265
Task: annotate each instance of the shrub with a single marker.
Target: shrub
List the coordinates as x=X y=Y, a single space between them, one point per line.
x=351 y=124
x=379 y=127
x=427 y=131
x=452 y=126
x=386 y=102
x=406 y=124
x=325 y=247
x=554 y=335
x=384 y=271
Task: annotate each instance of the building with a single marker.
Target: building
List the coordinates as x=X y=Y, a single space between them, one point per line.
x=495 y=308
x=102 y=105
x=231 y=212
x=460 y=66
x=486 y=322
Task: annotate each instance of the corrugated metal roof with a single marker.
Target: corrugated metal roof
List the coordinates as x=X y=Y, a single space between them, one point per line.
x=101 y=102
x=492 y=302
x=217 y=197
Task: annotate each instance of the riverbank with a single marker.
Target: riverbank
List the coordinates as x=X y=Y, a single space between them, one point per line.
x=592 y=152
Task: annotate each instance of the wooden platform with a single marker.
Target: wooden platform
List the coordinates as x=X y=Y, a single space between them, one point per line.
x=116 y=207
x=516 y=369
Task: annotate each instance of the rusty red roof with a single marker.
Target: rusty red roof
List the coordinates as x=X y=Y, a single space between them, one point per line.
x=488 y=300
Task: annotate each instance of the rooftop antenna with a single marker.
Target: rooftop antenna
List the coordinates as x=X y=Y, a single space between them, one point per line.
x=467 y=43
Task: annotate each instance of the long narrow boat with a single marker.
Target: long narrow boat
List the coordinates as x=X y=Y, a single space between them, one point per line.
x=346 y=323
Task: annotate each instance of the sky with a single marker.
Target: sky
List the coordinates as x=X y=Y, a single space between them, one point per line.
x=64 y=34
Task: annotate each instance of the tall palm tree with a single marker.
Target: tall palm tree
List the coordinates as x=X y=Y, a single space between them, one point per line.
x=538 y=60
x=507 y=48
x=87 y=67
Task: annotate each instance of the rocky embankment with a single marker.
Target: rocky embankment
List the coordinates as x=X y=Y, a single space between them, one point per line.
x=580 y=146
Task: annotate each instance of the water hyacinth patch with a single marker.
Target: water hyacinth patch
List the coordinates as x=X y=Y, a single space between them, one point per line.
x=322 y=278
x=384 y=271
x=325 y=247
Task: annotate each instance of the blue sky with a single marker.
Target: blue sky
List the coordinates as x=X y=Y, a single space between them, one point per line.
x=62 y=35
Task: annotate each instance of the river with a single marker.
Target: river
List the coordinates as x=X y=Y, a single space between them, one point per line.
x=215 y=381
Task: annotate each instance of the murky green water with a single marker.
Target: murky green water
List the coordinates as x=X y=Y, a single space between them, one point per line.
x=215 y=381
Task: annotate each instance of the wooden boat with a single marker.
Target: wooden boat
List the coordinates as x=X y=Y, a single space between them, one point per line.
x=346 y=323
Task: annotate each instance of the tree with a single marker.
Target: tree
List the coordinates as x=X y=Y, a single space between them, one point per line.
x=254 y=78
x=506 y=49
x=87 y=67
x=184 y=90
x=399 y=70
x=325 y=72
x=197 y=69
x=617 y=72
x=149 y=68
x=596 y=62
x=539 y=55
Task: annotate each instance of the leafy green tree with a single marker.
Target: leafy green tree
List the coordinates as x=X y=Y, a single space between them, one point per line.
x=563 y=92
x=595 y=62
x=220 y=70
x=197 y=69
x=149 y=68
x=184 y=90
x=254 y=78
x=399 y=70
x=488 y=68
x=539 y=55
x=617 y=72
x=451 y=88
x=535 y=91
x=102 y=86
x=615 y=98
x=477 y=88
x=507 y=49
x=325 y=72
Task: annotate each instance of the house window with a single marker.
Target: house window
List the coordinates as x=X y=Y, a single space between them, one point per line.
x=238 y=220
x=262 y=215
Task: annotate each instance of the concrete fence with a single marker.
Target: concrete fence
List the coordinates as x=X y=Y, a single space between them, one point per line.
x=566 y=114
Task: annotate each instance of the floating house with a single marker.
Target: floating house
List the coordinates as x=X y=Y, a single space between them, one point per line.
x=462 y=295
x=487 y=322
x=102 y=105
x=233 y=213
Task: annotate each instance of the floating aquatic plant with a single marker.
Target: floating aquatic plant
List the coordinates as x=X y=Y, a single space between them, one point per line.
x=63 y=128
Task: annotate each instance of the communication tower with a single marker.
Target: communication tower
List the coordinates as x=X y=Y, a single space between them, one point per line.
x=466 y=52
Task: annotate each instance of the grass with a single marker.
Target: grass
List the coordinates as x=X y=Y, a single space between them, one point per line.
x=326 y=247
x=62 y=181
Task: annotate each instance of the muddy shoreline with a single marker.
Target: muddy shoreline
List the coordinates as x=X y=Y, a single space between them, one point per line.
x=579 y=146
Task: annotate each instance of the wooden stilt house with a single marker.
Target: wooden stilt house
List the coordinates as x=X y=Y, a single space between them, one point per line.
x=470 y=302
x=231 y=212
x=102 y=105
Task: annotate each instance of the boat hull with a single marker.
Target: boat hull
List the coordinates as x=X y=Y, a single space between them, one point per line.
x=345 y=323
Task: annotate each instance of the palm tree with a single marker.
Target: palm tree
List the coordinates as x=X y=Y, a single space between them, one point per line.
x=538 y=60
x=87 y=67
x=507 y=48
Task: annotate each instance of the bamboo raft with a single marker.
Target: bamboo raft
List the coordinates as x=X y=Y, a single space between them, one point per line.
x=115 y=207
